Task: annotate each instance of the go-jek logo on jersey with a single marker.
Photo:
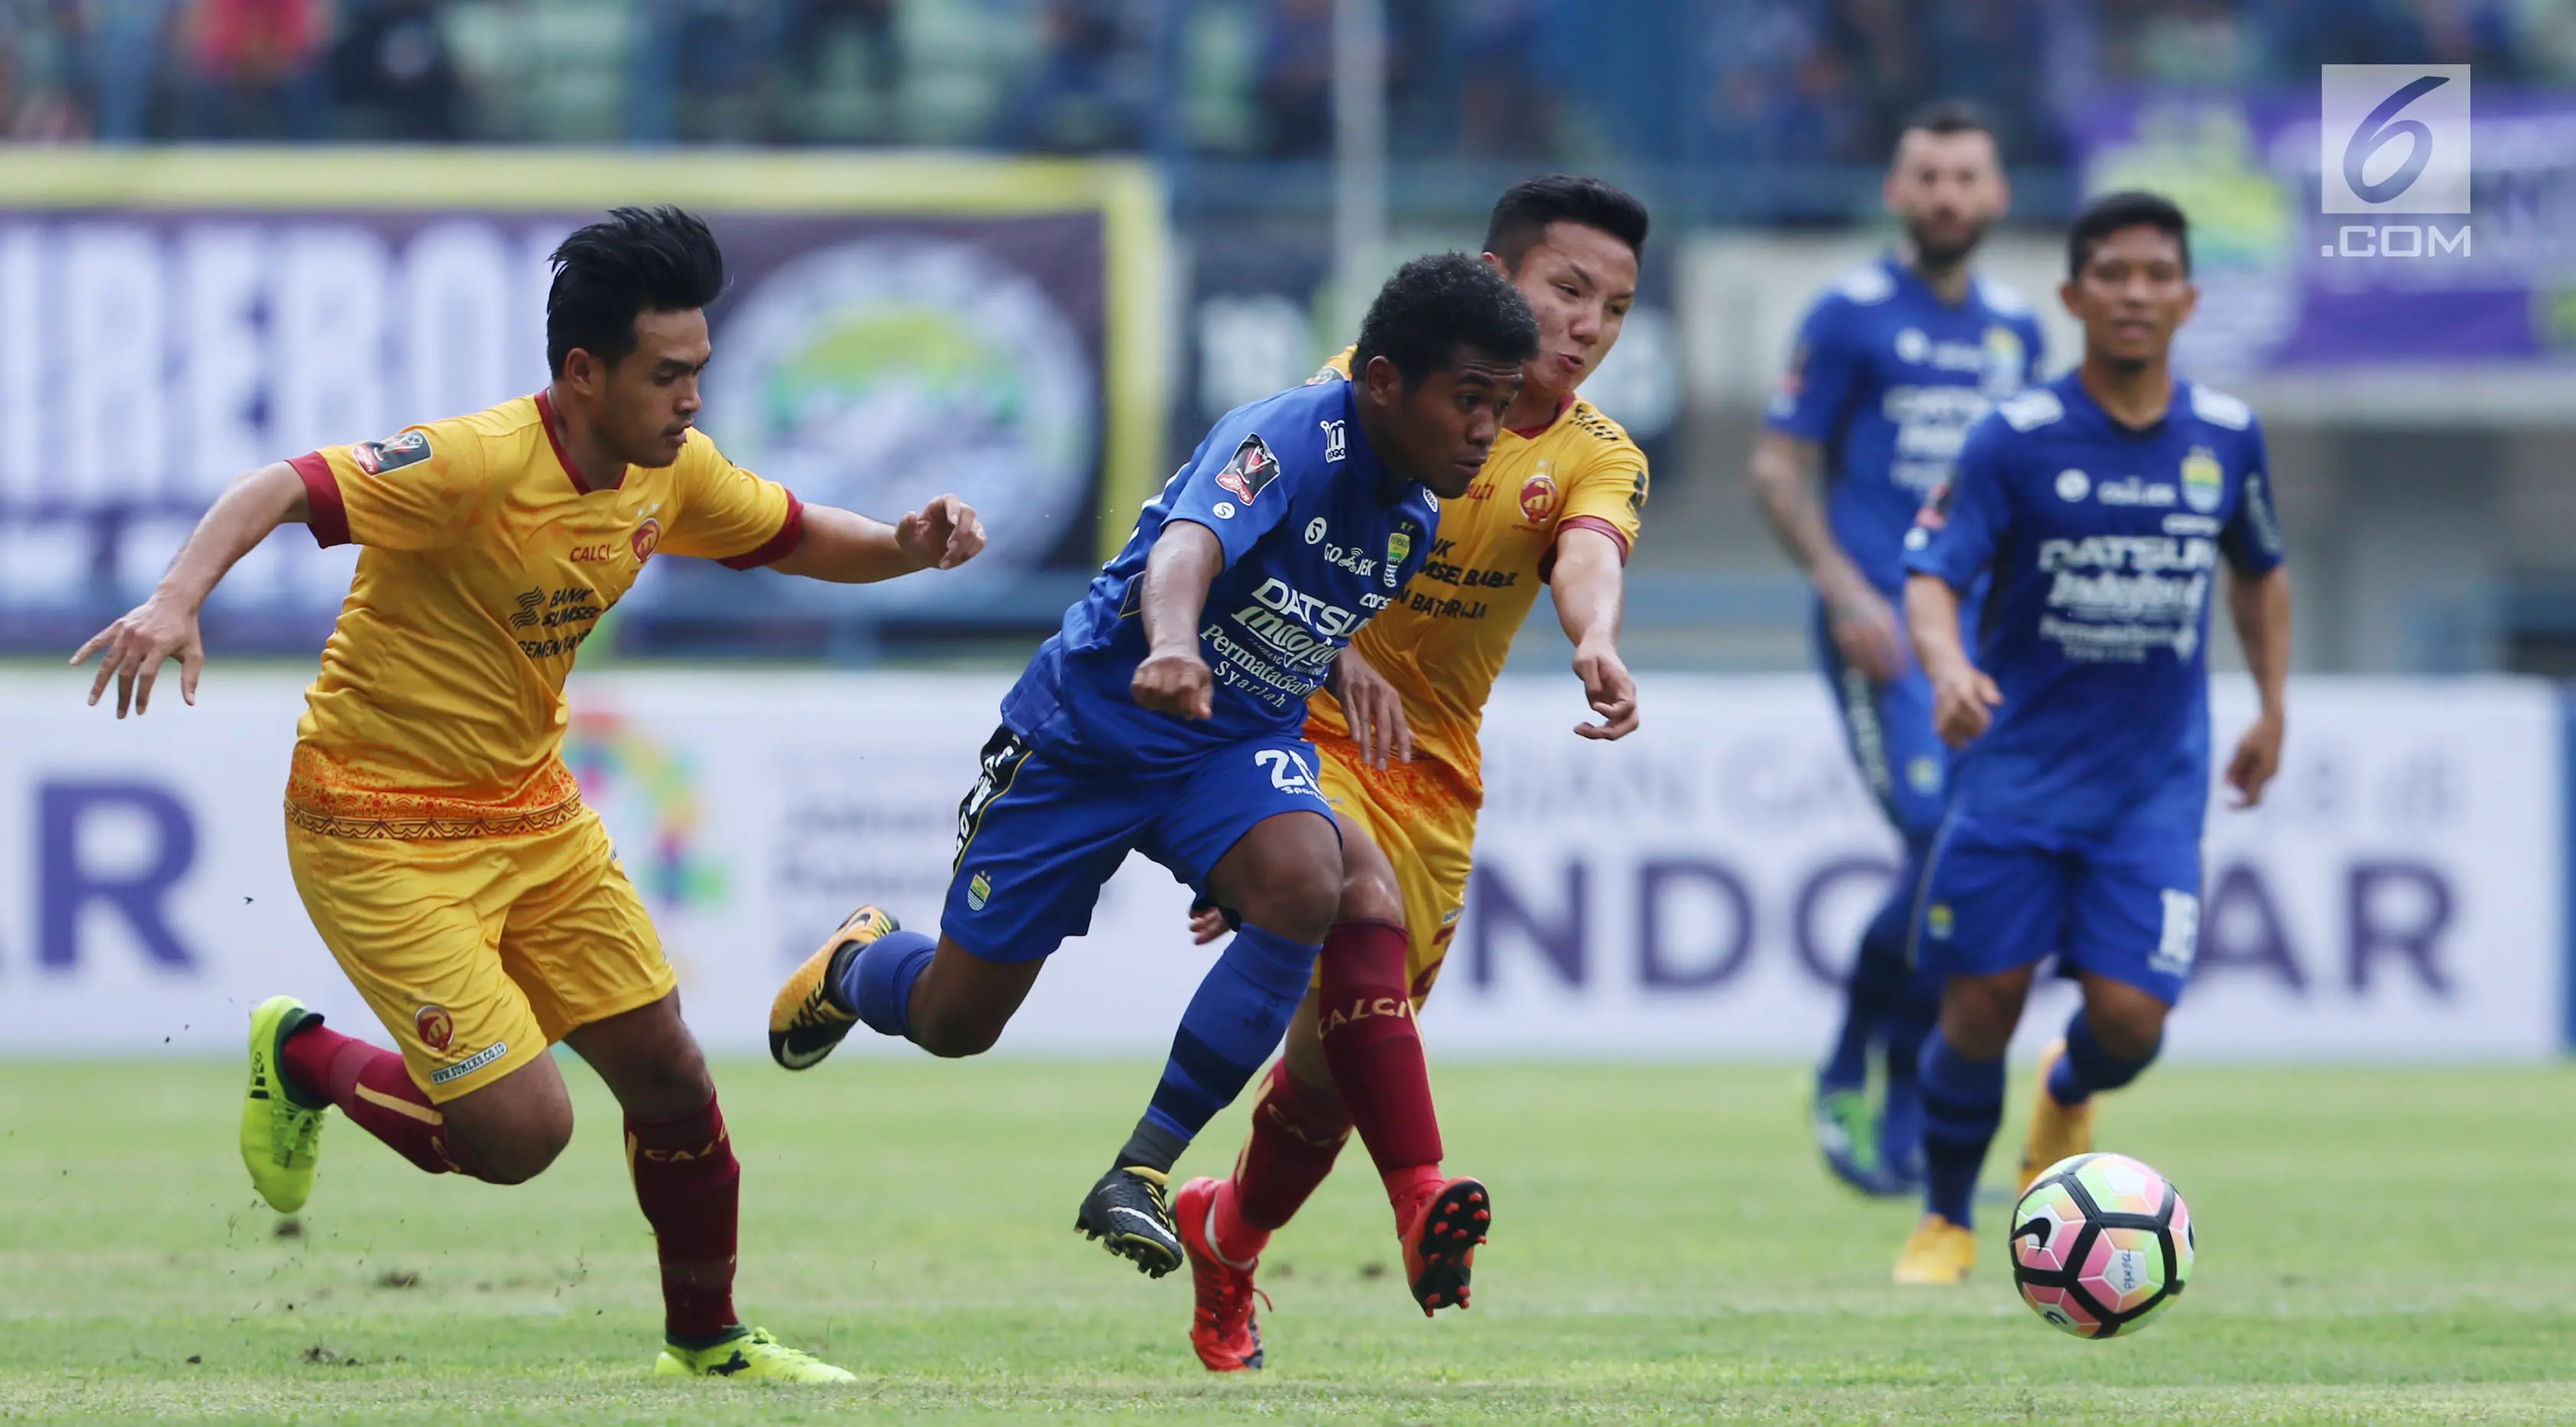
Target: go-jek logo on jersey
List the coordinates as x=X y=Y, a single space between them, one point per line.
x=2394 y=138
x=647 y=795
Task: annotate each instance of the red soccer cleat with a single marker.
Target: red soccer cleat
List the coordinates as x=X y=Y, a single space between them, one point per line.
x=1440 y=1248
x=1221 y=1328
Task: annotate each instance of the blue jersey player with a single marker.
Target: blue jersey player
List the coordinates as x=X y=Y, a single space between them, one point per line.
x=1892 y=366
x=1166 y=718
x=2105 y=507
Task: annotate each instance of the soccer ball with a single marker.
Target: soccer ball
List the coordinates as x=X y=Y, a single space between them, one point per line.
x=2100 y=1244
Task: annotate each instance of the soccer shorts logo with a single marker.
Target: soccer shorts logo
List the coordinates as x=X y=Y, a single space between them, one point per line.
x=979 y=890
x=1938 y=921
x=2179 y=945
x=437 y=1028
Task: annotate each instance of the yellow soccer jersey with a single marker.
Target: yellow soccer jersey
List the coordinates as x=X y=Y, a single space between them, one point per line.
x=440 y=709
x=1443 y=644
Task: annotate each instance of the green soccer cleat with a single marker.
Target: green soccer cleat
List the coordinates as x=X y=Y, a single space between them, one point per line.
x=281 y=1133
x=753 y=1356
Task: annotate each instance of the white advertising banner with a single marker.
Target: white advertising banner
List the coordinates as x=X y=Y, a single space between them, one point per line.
x=1689 y=892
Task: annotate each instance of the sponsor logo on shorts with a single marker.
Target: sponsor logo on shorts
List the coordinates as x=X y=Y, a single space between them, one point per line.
x=1923 y=775
x=979 y=890
x=437 y=1028
x=471 y=1063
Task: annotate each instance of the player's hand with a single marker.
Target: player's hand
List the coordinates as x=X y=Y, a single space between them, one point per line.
x=1373 y=708
x=1963 y=704
x=2258 y=758
x=1207 y=923
x=941 y=535
x=136 y=646
x=1609 y=688
x=1178 y=683
x=1863 y=625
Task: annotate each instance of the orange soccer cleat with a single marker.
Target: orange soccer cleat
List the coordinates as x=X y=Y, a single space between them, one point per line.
x=1222 y=1328
x=1440 y=1247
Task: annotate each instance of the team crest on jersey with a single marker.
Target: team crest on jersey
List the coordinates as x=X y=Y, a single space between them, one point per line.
x=408 y=448
x=1538 y=496
x=1252 y=469
x=437 y=1028
x=2007 y=364
x=1398 y=546
x=646 y=539
x=2203 y=483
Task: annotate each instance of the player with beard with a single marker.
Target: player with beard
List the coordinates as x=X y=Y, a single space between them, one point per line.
x=1891 y=367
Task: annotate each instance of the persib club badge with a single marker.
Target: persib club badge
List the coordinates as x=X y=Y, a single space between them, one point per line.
x=2202 y=482
x=1398 y=546
x=1252 y=469
x=2007 y=362
x=979 y=890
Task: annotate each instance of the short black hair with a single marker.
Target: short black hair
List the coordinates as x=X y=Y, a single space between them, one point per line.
x=2114 y=212
x=636 y=260
x=1949 y=116
x=1436 y=305
x=1522 y=214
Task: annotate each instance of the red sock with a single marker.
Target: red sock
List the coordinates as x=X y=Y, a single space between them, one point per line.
x=690 y=1188
x=1375 y=1050
x=1296 y=1131
x=370 y=1084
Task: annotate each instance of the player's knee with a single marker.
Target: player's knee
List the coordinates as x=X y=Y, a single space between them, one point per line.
x=522 y=1150
x=1301 y=902
x=952 y=1033
x=2128 y=1028
x=1369 y=894
x=1978 y=1013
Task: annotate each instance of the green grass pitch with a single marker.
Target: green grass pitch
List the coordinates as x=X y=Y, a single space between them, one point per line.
x=2380 y=1246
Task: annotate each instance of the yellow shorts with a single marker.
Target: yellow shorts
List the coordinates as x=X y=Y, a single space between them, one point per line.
x=479 y=952
x=1422 y=815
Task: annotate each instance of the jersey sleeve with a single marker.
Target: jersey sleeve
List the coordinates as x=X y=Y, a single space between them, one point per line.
x=416 y=490
x=1957 y=532
x=1337 y=368
x=2252 y=538
x=1238 y=490
x=1824 y=367
x=721 y=512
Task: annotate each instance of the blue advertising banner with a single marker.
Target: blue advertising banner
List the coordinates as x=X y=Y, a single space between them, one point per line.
x=2332 y=227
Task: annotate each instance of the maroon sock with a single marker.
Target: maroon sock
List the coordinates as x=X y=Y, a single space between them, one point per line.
x=370 y=1084
x=1375 y=1049
x=690 y=1188
x=1297 y=1129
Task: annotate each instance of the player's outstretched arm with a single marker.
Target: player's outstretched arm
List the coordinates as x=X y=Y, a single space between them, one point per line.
x=1785 y=483
x=847 y=548
x=165 y=625
x=1591 y=591
x=2260 y=608
x=1372 y=708
x=1173 y=678
x=1963 y=698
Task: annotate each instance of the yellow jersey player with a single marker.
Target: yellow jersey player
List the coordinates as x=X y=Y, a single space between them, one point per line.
x=439 y=843
x=1560 y=500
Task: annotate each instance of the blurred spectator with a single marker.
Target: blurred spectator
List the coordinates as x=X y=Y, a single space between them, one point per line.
x=255 y=70
x=702 y=70
x=814 y=37
x=1090 y=84
x=1295 y=78
x=1505 y=109
x=392 y=73
x=121 y=50
x=36 y=95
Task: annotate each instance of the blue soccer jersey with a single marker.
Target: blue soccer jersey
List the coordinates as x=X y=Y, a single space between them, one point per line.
x=1319 y=535
x=2103 y=545
x=1888 y=378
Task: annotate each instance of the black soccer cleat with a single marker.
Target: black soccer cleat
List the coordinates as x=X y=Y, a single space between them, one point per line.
x=1130 y=1212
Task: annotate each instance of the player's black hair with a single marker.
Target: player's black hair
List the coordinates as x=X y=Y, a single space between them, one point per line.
x=636 y=260
x=1438 y=305
x=1522 y=214
x=1949 y=116
x=2113 y=212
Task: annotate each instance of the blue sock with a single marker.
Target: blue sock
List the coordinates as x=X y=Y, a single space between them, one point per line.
x=1963 y=1104
x=2087 y=1067
x=1878 y=985
x=877 y=984
x=1900 y=1121
x=1235 y=1020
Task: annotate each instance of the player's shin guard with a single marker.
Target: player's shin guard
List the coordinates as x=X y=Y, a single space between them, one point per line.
x=2087 y=1066
x=1234 y=1021
x=690 y=1188
x=1365 y=1012
x=1297 y=1132
x=1963 y=1104
x=878 y=983
x=372 y=1087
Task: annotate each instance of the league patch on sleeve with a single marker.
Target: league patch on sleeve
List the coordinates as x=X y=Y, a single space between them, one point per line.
x=409 y=448
x=1252 y=468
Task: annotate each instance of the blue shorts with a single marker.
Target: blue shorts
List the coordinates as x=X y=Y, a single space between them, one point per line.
x=2123 y=904
x=1888 y=728
x=1038 y=837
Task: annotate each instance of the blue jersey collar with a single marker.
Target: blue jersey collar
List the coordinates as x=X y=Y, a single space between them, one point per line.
x=2072 y=390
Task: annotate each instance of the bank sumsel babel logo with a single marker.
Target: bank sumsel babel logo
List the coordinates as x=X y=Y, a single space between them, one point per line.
x=2393 y=138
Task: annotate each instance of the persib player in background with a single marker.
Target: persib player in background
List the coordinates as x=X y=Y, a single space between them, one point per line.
x=2102 y=508
x=1892 y=367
